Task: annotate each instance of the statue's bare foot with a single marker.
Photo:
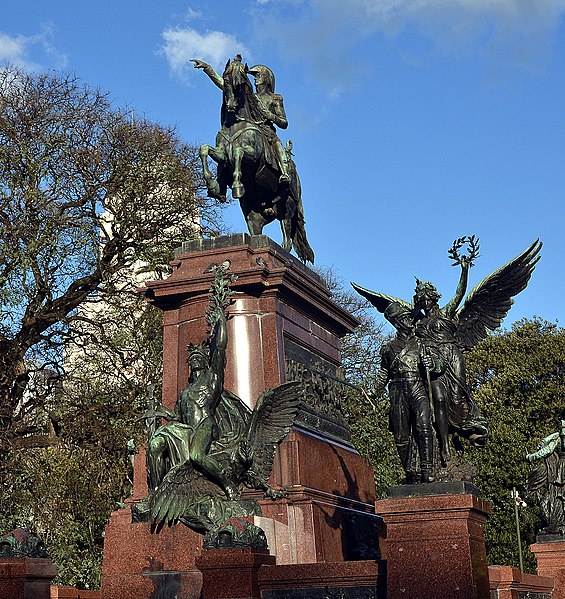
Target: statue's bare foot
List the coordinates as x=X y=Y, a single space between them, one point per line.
x=445 y=457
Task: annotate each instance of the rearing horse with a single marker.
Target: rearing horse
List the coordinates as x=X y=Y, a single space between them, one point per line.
x=246 y=164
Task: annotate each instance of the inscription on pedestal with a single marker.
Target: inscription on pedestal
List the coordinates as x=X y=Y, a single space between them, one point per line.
x=324 y=395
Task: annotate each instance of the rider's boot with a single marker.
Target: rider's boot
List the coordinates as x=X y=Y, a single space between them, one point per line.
x=425 y=446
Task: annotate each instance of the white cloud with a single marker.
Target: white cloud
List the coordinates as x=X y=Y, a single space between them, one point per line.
x=214 y=47
x=321 y=28
x=192 y=14
x=13 y=50
x=17 y=50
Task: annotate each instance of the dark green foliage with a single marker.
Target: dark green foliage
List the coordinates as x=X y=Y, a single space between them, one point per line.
x=518 y=380
x=64 y=495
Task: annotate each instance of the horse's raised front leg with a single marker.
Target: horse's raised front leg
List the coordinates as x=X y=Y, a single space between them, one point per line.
x=218 y=156
x=237 y=188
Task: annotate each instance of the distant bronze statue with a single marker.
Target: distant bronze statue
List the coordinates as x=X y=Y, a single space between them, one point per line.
x=547 y=481
x=442 y=335
x=212 y=443
x=250 y=157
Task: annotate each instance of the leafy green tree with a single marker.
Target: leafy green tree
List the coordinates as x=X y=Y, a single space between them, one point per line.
x=91 y=202
x=518 y=379
x=85 y=191
x=360 y=353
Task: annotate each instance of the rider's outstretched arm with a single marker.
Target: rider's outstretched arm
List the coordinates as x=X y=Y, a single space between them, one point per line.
x=216 y=79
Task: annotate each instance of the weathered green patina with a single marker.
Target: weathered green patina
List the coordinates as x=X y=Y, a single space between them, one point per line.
x=250 y=157
x=424 y=367
x=212 y=444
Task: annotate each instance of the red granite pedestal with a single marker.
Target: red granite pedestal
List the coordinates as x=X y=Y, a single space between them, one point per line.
x=232 y=573
x=507 y=582
x=283 y=326
x=435 y=544
x=550 y=557
x=139 y=564
x=26 y=578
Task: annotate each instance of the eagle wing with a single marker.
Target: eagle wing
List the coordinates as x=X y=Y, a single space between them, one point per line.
x=271 y=420
x=180 y=493
x=381 y=301
x=489 y=302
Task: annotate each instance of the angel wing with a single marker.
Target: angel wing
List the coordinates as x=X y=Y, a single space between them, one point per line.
x=180 y=495
x=381 y=301
x=271 y=420
x=489 y=302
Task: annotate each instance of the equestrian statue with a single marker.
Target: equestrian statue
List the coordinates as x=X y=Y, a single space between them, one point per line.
x=250 y=157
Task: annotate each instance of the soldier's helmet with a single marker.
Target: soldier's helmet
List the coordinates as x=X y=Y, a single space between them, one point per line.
x=261 y=69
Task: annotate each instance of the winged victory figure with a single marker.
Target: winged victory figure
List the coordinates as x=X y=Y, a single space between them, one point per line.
x=212 y=444
x=440 y=337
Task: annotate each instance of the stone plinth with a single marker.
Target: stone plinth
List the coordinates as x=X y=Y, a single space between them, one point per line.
x=507 y=582
x=139 y=564
x=435 y=544
x=232 y=573
x=328 y=516
x=282 y=311
x=26 y=578
x=550 y=557
x=282 y=326
x=358 y=579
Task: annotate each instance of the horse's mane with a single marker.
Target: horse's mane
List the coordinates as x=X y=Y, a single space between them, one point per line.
x=238 y=73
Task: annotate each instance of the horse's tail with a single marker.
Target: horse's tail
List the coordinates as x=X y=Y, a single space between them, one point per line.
x=299 y=240
x=300 y=243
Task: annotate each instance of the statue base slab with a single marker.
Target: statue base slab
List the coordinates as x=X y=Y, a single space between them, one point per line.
x=26 y=578
x=507 y=582
x=435 y=545
x=231 y=573
x=139 y=564
x=550 y=557
x=252 y=574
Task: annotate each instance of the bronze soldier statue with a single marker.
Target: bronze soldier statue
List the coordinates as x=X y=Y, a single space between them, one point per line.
x=426 y=364
x=547 y=481
x=402 y=364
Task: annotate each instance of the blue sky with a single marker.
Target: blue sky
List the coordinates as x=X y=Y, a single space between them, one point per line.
x=413 y=121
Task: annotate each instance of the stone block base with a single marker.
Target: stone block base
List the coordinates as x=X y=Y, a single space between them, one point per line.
x=252 y=574
x=139 y=564
x=550 y=558
x=346 y=580
x=507 y=582
x=232 y=573
x=435 y=546
x=26 y=578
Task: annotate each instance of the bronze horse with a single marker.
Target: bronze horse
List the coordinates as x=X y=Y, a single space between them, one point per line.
x=246 y=164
